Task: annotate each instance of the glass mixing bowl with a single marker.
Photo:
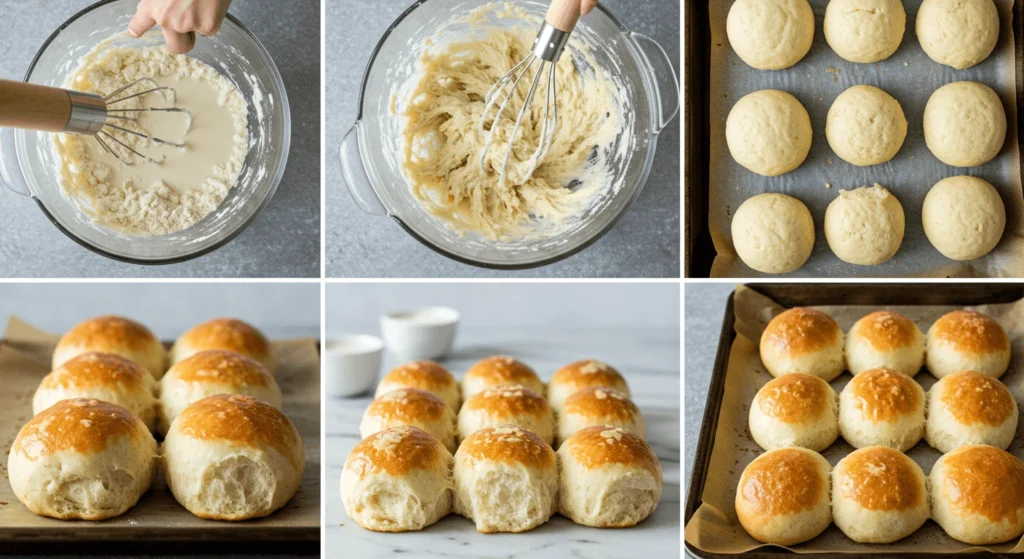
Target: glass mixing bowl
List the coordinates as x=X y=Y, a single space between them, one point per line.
x=28 y=163
x=369 y=150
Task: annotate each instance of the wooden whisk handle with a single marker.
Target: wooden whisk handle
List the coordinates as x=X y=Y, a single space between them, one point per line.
x=33 y=107
x=563 y=14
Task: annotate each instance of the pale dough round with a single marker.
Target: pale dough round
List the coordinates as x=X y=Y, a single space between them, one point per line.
x=770 y=34
x=958 y=33
x=964 y=124
x=866 y=126
x=773 y=233
x=865 y=226
x=865 y=30
x=963 y=217
x=769 y=132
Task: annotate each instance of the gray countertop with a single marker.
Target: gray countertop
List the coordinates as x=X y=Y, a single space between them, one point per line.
x=645 y=243
x=284 y=241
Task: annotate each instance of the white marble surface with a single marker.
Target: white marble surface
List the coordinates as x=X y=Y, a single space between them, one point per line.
x=634 y=327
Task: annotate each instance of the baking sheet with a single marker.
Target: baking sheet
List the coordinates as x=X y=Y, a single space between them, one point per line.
x=25 y=360
x=715 y=528
x=909 y=76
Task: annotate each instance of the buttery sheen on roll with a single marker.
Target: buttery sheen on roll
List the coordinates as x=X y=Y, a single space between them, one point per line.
x=879 y=495
x=113 y=334
x=507 y=405
x=885 y=339
x=969 y=408
x=803 y=340
x=588 y=373
x=599 y=406
x=499 y=370
x=795 y=410
x=978 y=495
x=967 y=341
x=423 y=375
x=784 y=495
x=227 y=334
x=882 y=407
x=409 y=406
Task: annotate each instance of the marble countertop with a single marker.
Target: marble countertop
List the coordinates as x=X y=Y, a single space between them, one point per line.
x=648 y=358
x=645 y=242
x=283 y=241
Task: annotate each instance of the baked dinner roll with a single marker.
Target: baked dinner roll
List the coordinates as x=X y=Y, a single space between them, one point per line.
x=117 y=335
x=100 y=376
x=227 y=334
x=878 y=495
x=967 y=341
x=576 y=376
x=423 y=375
x=795 y=410
x=784 y=496
x=397 y=480
x=969 y=408
x=213 y=372
x=499 y=370
x=507 y=405
x=881 y=407
x=803 y=340
x=885 y=339
x=232 y=457
x=978 y=494
x=82 y=459
x=506 y=480
x=409 y=406
x=610 y=478
x=599 y=406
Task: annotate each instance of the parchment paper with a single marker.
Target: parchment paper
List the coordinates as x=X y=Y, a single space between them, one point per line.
x=909 y=76
x=715 y=528
x=25 y=360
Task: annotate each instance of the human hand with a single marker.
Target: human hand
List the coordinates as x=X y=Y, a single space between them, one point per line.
x=587 y=6
x=180 y=20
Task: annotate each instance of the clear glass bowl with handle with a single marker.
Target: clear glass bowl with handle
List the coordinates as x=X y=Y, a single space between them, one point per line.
x=374 y=177
x=29 y=167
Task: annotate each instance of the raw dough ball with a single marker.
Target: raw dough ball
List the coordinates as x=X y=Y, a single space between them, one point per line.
x=865 y=30
x=771 y=34
x=958 y=33
x=865 y=226
x=769 y=132
x=865 y=126
x=965 y=124
x=773 y=233
x=963 y=217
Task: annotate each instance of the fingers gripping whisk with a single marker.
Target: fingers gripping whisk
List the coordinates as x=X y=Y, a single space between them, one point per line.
x=118 y=120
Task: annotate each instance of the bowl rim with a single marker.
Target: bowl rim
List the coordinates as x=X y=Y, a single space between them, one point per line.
x=374 y=344
x=446 y=316
x=230 y=236
x=525 y=265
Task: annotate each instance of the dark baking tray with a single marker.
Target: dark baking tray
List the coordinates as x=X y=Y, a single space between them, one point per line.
x=809 y=294
x=699 y=251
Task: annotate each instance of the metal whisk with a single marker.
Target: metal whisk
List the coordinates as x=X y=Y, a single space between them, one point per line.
x=547 y=50
x=50 y=109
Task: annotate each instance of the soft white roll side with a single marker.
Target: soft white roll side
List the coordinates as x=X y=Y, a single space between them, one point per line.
x=978 y=495
x=969 y=408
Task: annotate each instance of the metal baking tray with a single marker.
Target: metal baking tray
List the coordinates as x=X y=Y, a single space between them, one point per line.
x=802 y=295
x=699 y=251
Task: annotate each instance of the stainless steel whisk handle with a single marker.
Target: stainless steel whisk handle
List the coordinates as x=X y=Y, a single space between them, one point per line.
x=50 y=109
x=558 y=26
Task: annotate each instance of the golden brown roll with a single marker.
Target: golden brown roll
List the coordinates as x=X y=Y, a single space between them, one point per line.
x=795 y=410
x=803 y=340
x=967 y=341
x=499 y=370
x=507 y=405
x=879 y=495
x=969 y=408
x=881 y=407
x=226 y=334
x=885 y=339
x=978 y=494
x=599 y=406
x=783 y=496
x=423 y=375
x=117 y=335
x=409 y=406
x=588 y=373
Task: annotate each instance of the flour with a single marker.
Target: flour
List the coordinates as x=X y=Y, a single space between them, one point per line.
x=145 y=198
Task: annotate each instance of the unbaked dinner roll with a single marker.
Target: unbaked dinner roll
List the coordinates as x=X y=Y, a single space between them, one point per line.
x=770 y=34
x=409 y=406
x=884 y=339
x=879 y=495
x=865 y=125
x=82 y=459
x=599 y=406
x=958 y=33
x=978 y=494
x=795 y=410
x=610 y=478
x=784 y=496
x=507 y=405
x=232 y=457
x=499 y=370
x=803 y=340
x=964 y=124
x=117 y=335
x=882 y=407
x=773 y=233
x=397 y=480
x=588 y=373
x=865 y=31
x=980 y=217
x=228 y=334
x=769 y=132
x=506 y=480
x=100 y=376
x=865 y=226
x=969 y=408
x=423 y=375
x=214 y=372
x=967 y=341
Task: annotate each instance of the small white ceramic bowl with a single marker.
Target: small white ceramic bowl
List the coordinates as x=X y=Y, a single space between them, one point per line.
x=351 y=364
x=425 y=333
